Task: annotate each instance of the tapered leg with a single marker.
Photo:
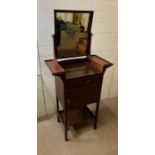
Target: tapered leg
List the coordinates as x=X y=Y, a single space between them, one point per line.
x=65 y=125
x=57 y=102
x=96 y=115
x=66 y=137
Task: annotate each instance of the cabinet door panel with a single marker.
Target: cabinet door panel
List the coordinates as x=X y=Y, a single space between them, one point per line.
x=79 y=97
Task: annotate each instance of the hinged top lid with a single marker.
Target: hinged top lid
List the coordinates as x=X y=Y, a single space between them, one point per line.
x=72 y=33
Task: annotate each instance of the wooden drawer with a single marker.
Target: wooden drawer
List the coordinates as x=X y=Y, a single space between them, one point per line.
x=81 y=96
x=82 y=82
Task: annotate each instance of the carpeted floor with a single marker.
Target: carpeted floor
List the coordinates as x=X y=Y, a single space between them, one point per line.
x=83 y=139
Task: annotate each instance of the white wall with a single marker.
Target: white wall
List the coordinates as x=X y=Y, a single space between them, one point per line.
x=104 y=41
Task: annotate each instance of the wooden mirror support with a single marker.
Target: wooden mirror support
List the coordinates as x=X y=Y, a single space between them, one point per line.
x=79 y=80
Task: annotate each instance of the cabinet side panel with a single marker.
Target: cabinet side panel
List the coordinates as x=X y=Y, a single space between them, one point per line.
x=60 y=90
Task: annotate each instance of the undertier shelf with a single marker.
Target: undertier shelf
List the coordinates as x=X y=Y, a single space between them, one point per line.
x=76 y=116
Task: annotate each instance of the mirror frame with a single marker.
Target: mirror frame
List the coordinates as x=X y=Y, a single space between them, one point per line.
x=88 y=52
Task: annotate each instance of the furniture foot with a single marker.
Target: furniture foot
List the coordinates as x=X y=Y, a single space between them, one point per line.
x=95 y=124
x=58 y=119
x=96 y=115
x=66 y=137
x=57 y=103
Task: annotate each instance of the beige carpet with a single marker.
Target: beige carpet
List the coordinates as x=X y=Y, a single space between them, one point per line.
x=83 y=139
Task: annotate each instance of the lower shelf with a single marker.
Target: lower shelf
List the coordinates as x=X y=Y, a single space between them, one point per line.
x=76 y=116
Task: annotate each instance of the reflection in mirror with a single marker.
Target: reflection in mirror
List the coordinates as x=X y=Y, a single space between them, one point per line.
x=72 y=33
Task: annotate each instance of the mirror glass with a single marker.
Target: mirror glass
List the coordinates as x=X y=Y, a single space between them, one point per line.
x=72 y=30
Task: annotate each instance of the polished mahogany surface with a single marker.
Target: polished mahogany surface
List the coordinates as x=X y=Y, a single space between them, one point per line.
x=80 y=69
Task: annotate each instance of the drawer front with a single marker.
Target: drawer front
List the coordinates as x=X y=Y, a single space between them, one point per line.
x=83 y=82
x=79 y=97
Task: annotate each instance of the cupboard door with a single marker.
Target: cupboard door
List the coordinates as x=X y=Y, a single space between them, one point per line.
x=79 y=97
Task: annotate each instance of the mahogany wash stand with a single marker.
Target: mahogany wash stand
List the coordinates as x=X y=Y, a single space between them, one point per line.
x=78 y=80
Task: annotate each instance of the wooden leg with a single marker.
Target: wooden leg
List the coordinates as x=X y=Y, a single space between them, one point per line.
x=65 y=125
x=96 y=114
x=66 y=138
x=57 y=102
